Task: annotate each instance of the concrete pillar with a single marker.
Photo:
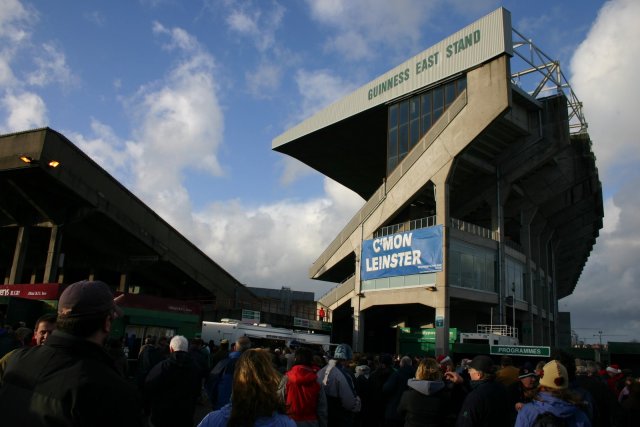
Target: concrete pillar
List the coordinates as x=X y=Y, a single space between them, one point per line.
x=358 y=318
x=526 y=218
x=19 y=255
x=442 y=321
x=51 y=265
x=497 y=226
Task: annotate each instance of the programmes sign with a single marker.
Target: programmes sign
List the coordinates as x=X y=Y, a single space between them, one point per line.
x=520 y=350
x=412 y=252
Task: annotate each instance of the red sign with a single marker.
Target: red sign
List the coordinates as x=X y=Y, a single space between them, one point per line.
x=39 y=291
x=157 y=303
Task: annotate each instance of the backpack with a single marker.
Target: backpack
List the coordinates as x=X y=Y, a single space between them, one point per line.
x=547 y=419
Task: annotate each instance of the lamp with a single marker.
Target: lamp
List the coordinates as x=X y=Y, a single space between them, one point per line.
x=360 y=294
x=431 y=288
x=31 y=161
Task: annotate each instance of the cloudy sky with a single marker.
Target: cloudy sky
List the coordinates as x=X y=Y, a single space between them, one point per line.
x=180 y=101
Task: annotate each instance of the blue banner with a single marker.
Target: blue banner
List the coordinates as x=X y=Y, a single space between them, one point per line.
x=412 y=252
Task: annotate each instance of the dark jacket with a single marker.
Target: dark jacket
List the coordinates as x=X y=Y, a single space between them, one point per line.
x=486 y=405
x=425 y=404
x=393 y=389
x=66 y=381
x=172 y=388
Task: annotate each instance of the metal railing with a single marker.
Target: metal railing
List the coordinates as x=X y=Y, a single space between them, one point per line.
x=468 y=227
x=504 y=330
x=415 y=224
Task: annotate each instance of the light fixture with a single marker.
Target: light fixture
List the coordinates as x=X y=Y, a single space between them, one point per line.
x=31 y=161
x=431 y=288
x=360 y=294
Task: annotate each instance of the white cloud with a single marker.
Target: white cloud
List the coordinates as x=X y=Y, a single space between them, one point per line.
x=272 y=244
x=318 y=89
x=363 y=26
x=15 y=19
x=25 y=110
x=52 y=67
x=604 y=69
x=604 y=77
x=260 y=25
x=263 y=80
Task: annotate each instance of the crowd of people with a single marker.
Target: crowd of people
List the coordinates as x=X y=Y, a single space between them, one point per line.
x=67 y=371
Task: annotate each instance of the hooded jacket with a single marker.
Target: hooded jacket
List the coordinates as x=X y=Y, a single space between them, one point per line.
x=425 y=404
x=306 y=402
x=546 y=402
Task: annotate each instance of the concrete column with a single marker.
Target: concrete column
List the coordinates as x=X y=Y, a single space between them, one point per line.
x=497 y=223
x=358 y=317
x=526 y=218
x=442 y=320
x=51 y=266
x=19 y=255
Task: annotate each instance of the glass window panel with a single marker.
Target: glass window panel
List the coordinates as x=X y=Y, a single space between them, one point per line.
x=404 y=113
x=412 y=280
x=396 y=282
x=438 y=103
x=466 y=270
x=414 y=108
x=425 y=109
x=449 y=94
x=393 y=116
x=454 y=268
x=391 y=164
x=415 y=133
x=403 y=140
x=461 y=85
x=392 y=144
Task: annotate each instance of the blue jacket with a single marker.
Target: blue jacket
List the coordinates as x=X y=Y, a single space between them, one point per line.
x=548 y=403
x=220 y=418
x=223 y=395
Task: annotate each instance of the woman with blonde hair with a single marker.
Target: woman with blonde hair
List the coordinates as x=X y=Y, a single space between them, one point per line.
x=426 y=403
x=255 y=401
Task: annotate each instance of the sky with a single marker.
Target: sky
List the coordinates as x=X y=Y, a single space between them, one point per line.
x=180 y=101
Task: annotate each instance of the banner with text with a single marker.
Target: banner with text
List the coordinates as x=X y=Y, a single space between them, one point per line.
x=411 y=252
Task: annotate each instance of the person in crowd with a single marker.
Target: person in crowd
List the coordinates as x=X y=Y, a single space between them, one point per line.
x=569 y=362
x=115 y=350
x=426 y=402
x=606 y=410
x=624 y=393
x=522 y=391
x=554 y=402
x=383 y=368
x=44 y=326
x=305 y=401
x=507 y=374
x=615 y=379
x=394 y=388
x=630 y=415
x=363 y=389
x=487 y=403
x=446 y=363
x=70 y=379
x=255 y=400
x=173 y=386
x=221 y=377
x=339 y=387
x=221 y=354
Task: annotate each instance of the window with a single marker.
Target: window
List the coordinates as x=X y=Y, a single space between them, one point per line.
x=410 y=119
